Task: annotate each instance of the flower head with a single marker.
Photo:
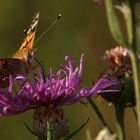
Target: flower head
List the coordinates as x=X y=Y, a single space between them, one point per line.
x=47 y=94
x=119 y=67
x=118 y=58
x=56 y=89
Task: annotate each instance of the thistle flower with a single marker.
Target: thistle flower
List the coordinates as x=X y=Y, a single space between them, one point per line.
x=119 y=67
x=47 y=95
x=118 y=61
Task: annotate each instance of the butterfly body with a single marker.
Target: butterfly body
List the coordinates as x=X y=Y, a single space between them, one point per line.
x=21 y=62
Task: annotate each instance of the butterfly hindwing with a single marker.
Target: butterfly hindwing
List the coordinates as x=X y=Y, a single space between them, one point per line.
x=11 y=66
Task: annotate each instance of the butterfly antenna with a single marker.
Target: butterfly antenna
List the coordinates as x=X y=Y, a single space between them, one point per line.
x=48 y=29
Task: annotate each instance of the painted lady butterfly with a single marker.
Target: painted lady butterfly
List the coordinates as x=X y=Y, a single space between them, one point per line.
x=21 y=62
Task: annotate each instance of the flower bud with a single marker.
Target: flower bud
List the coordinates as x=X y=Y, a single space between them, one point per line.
x=119 y=66
x=58 y=125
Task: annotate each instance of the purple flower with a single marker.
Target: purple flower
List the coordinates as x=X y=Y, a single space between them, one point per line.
x=56 y=89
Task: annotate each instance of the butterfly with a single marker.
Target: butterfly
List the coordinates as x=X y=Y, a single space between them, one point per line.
x=21 y=62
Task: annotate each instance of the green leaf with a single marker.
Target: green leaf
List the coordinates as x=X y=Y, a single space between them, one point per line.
x=114 y=24
x=99 y=114
x=30 y=130
x=76 y=131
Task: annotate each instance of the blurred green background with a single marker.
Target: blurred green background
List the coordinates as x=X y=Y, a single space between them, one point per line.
x=82 y=29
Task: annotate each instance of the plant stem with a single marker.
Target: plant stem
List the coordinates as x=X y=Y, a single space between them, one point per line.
x=134 y=60
x=136 y=86
x=120 y=119
x=49 y=132
x=98 y=113
x=76 y=131
x=47 y=136
x=114 y=24
x=94 y=106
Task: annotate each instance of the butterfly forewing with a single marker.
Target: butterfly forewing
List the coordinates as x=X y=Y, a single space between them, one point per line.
x=27 y=46
x=19 y=64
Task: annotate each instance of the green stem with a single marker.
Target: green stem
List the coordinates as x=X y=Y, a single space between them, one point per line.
x=49 y=132
x=136 y=86
x=76 y=131
x=114 y=24
x=48 y=136
x=120 y=119
x=133 y=25
x=134 y=60
x=131 y=30
x=99 y=114
x=94 y=106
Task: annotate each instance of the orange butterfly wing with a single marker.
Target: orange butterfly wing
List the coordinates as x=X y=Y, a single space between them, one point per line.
x=26 y=47
x=19 y=64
